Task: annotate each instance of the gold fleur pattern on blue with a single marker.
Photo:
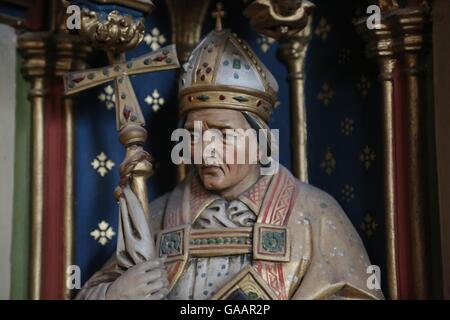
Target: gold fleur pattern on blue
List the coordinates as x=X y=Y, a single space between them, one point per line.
x=328 y=164
x=347 y=126
x=265 y=43
x=323 y=29
x=363 y=85
x=326 y=94
x=155 y=100
x=358 y=15
x=369 y=225
x=155 y=39
x=343 y=56
x=367 y=157
x=108 y=97
x=102 y=164
x=103 y=233
x=348 y=193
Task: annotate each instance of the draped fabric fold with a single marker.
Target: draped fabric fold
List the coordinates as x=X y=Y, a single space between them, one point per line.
x=135 y=242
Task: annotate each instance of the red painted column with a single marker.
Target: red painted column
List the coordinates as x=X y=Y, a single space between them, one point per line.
x=53 y=235
x=405 y=288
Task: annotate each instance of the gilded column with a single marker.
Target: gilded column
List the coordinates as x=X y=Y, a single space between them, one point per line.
x=380 y=46
x=293 y=52
x=290 y=23
x=387 y=65
x=397 y=44
x=33 y=47
x=409 y=28
x=71 y=54
x=186 y=18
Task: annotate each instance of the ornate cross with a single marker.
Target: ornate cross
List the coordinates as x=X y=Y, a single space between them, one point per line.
x=218 y=15
x=115 y=32
x=127 y=105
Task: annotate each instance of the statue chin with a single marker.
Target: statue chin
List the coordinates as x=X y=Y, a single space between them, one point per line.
x=214 y=182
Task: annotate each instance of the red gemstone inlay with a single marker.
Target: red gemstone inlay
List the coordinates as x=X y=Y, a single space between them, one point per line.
x=205 y=64
x=159 y=58
x=79 y=79
x=198 y=71
x=258 y=103
x=208 y=70
x=222 y=97
x=202 y=77
x=191 y=98
x=126 y=113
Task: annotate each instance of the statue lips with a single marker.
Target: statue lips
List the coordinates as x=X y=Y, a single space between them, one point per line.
x=210 y=169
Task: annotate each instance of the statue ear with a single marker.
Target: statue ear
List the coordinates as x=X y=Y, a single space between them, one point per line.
x=264 y=153
x=181 y=122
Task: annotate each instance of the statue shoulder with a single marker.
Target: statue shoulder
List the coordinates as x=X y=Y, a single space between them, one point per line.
x=158 y=205
x=313 y=199
x=337 y=247
x=326 y=215
x=157 y=208
x=322 y=208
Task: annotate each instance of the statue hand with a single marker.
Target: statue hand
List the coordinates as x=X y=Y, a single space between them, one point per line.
x=145 y=281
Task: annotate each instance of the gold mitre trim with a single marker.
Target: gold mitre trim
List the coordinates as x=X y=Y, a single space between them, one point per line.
x=226 y=97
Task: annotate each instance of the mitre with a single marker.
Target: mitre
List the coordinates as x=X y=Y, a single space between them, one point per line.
x=224 y=72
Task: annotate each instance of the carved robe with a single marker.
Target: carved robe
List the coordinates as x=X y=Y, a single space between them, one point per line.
x=290 y=239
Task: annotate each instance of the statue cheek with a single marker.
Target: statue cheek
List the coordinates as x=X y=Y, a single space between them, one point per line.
x=230 y=154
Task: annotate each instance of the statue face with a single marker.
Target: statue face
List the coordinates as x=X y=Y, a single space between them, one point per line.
x=218 y=175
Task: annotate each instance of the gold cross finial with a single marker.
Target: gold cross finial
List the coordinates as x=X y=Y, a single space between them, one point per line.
x=218 y=15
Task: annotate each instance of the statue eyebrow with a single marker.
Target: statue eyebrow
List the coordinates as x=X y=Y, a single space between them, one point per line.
x=208 y=125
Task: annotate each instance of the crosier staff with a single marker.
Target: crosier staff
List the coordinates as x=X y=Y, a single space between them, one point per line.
x=116 y=34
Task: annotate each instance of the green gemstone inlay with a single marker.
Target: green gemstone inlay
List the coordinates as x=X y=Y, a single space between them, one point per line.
x=91 y=76
x=71 y=85
x=203 y=97
x=220 y=240
x=240 y=99
x=253 y=296
x=236 y=64
x=129 y=65
x=273 y=241
x=105 y=72
x=147 y=61
x=170 y=243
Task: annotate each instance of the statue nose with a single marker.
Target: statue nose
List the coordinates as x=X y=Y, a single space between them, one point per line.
x=212 y=152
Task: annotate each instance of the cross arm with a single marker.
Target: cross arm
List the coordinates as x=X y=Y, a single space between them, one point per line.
x=162 y=59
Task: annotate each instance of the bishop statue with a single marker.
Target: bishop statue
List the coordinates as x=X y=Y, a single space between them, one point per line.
x=227 y=231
